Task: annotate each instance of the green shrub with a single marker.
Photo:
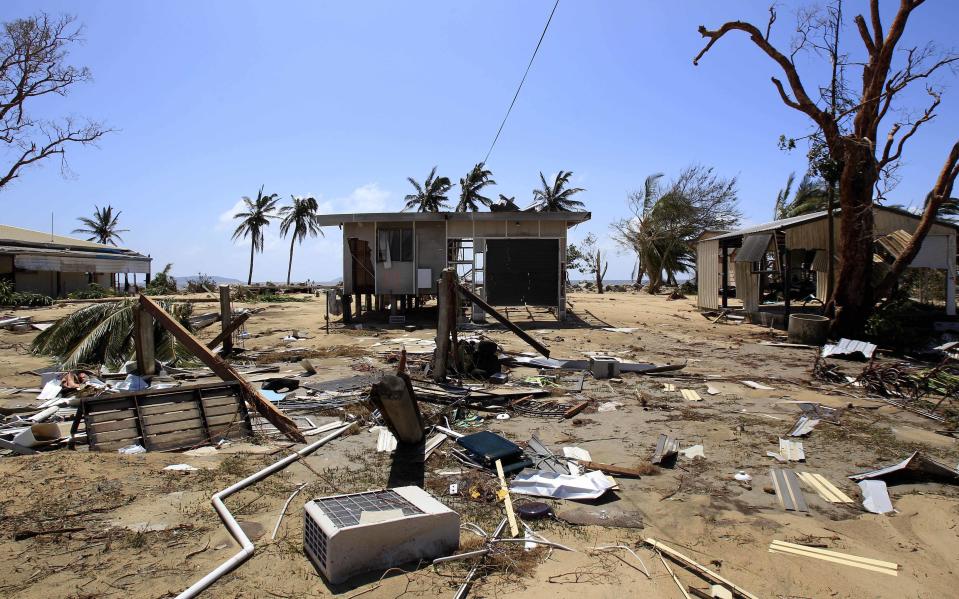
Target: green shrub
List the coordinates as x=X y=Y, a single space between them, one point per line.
x=901 y=323
x=92 y=291
x=201 y=284
x=21 y=299
x=162 y=283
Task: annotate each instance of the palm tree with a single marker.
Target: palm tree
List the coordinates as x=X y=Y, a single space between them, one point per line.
x=257 y=216
x=301 y=217
x=103 y=227
x=431 y=195
x=103 y=334
x=811 y=196
x=556 y=197
x=470 y=187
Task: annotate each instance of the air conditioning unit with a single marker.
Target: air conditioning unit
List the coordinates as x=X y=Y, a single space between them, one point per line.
x=345 y=535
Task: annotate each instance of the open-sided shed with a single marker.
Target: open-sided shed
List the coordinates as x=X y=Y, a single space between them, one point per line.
x=797 y=250
x=509 y=258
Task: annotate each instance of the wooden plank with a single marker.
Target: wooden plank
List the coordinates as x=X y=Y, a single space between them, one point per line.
x=171 y=427
x=189 y=413
x=699 y=568
x=831 y=488
x=143 y=341
x=212 y=421
x=111 y=416
x=223 y=370
x=845 y=556
x=676 y=580
x=218 y=410
x=507 y=500
x=576 y=409
x=690 y=395
x=835 y=557
x=97 y=438
x=179 y=440
x=225 y=336
x=218 y=402
x=227 y=327
x=166 y=408
x=610 y=469
x=113 y=425
x=503 y=320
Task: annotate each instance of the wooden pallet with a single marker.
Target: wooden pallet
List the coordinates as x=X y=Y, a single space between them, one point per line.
x=167 y=419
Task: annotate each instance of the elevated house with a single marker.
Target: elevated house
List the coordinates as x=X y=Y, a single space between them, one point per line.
x=509 y=258
x=55 y=265
x=791 y=256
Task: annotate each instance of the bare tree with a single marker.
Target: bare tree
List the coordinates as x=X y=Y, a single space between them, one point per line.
x=861 y=151
x=593 y=260
x=33 y=64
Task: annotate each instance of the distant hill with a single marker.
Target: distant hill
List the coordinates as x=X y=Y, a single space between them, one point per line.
x=182 y=281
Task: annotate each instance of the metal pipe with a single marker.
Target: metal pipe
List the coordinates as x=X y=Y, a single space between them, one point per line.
x=247 y=548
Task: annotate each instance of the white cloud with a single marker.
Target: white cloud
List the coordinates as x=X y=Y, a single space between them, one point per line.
x=367 y=198
x=225 y=220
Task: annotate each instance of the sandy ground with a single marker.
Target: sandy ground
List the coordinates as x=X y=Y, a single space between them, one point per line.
x=144 y=532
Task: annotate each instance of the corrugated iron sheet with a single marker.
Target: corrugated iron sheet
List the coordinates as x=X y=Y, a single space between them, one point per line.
x=754 y=247
x=849 y=347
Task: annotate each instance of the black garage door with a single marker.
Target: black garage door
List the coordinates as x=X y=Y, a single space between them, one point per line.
x=522 y=272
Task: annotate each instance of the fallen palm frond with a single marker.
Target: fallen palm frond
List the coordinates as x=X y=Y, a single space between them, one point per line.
x=103 y=334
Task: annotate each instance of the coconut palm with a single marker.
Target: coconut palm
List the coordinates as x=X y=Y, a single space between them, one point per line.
x=431 y=195
x=103 y=227
x=302 y=219
x=103 y=334
x=252 y=222
x=470 y=187
x=557 y=197
x=811 y=196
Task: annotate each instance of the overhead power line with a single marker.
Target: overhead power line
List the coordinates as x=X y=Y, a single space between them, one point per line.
x=522 y=81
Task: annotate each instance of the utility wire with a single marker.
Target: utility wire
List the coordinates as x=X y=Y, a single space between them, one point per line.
x=522 y=81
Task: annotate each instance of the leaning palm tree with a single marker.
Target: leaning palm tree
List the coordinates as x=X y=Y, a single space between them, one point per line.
x=811 y=196
x=103 y=334
x=103 y=227
x=431 y=195
x=257 y=216
x=302 y=219
x=557 y=197
x=470 y=187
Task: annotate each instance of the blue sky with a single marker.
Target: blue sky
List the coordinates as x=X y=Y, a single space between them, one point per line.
x=344 y=100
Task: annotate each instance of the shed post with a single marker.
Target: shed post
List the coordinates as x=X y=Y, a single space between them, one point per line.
x=446 y=298
x=951 y=276
x=226 y=317
x=787 y=270
x=725 y=277
x=143 y=341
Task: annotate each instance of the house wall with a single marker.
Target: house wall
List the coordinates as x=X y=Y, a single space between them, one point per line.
x=708 y=273
x=430 y=240
x=364 y=231
x=36 y=281
x=399 y=278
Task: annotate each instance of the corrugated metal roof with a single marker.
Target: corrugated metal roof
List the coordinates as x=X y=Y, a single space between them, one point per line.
x=327 y=220
x=895 y=243
x=26 y=236
x=754 y=247
x=848 y=347
x=774 y=225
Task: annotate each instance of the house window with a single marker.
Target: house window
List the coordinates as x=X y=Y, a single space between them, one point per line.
x=394 y=245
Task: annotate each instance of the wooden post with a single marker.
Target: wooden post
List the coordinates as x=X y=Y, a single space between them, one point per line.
x=227 y=333
x=326 y=298
x=725 y=277
x=446 y=300
x=359 y=303
x=347 y=315
x=223 y=370
x=787 y=270
x=226 y=317
x=143 y=341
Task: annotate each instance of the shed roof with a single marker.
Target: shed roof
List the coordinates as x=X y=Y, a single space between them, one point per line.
x=17 y=240
x=18 y=235
x=795 y=221
x=571 y=218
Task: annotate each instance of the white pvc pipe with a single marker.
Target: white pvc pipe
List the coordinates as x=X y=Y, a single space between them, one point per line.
x=246 y=546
